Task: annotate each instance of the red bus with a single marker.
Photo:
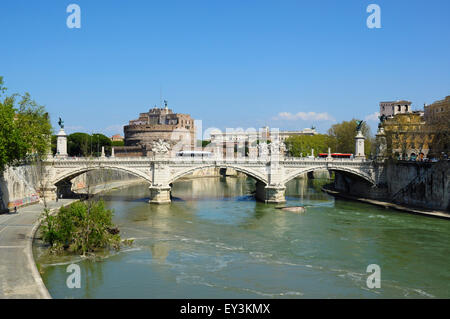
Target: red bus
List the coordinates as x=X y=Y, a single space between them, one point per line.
x=337 y=155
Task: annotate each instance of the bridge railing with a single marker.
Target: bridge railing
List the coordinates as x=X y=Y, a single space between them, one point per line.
x=205 y=159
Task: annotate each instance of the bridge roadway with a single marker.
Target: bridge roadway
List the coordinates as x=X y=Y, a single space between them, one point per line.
x=271 y=173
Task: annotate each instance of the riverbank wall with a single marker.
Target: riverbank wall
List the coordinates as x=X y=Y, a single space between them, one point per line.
x=419 y=184
x=414 y=184
x=19 y=184
x=18 y=187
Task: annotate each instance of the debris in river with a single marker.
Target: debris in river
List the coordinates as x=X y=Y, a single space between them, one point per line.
x=293 y=209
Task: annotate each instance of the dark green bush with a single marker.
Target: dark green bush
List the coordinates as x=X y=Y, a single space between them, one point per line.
x=81 y=227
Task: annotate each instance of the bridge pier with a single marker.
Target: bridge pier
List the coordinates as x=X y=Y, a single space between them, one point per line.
x=48 y=192
x=159 y=194
x=270 y=194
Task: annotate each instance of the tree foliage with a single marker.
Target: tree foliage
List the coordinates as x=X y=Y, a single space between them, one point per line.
x=83 y=144
x=79 y=144
x=81 y=228
x=25 y=128
x=344 y=134
x=301 y=145
x=117 y=143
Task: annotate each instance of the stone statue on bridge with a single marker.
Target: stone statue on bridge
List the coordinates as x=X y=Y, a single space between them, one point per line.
x=160 y=147
x=359 y=125
x=263 y=149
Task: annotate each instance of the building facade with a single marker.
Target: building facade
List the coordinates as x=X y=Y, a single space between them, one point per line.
x=437 y=111
x=437 y=117
x=117 y=138
x=407 y=135
x=418 y=134
x=236 y=141
x=307 y=131
x=392 y=108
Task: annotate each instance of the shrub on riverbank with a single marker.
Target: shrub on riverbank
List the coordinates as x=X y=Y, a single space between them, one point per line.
x=81 y=228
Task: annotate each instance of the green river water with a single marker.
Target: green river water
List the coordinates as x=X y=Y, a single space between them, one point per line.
x=215 y=241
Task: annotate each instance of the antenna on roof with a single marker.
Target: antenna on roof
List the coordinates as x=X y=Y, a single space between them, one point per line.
x=160 y=95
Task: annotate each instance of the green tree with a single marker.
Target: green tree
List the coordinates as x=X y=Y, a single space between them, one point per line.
x=344 y=134
x=79 y=144
x=99 y=140
x=117 y=143
x=301 y=145
x=83 y=144
x=25 y=128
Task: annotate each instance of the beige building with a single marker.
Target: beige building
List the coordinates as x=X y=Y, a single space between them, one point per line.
x=392 y=108
x=407 y=135
x=233 y=139
x=307 y=131
x=116 y=138
x=437 y=117
x=437 y=111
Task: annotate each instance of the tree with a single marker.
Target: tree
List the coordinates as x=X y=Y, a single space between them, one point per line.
x=117 y=143
x=79 y=144
x=301 y=145
x=205 y=143
x=25 y=128
x=99 y=141
x=83 y=144
x=344 y=137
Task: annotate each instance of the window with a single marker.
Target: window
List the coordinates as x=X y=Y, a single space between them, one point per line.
x=399 y=108
x=406 y=108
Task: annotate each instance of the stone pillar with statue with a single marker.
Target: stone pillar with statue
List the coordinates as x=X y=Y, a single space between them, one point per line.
x=359 y=141
x=61 y=141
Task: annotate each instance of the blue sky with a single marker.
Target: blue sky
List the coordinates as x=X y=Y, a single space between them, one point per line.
x=229 y=63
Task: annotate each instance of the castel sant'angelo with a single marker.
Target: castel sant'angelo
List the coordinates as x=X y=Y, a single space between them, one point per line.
x=158 y=123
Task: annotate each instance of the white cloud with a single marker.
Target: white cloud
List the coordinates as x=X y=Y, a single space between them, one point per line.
x=305 y=116
x=373 y=117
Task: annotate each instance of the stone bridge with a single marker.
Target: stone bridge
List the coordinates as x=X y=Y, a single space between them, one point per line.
x=271 y=174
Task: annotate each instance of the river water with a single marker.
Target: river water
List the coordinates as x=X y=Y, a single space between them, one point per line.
x=215 y=241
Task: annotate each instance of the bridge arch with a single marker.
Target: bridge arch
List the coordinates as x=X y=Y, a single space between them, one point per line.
x=355 y=172
x=258 y=176
x=68 y=175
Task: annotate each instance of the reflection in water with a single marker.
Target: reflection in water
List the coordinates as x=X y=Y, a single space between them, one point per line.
x=215 y=241
x=160 y=251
